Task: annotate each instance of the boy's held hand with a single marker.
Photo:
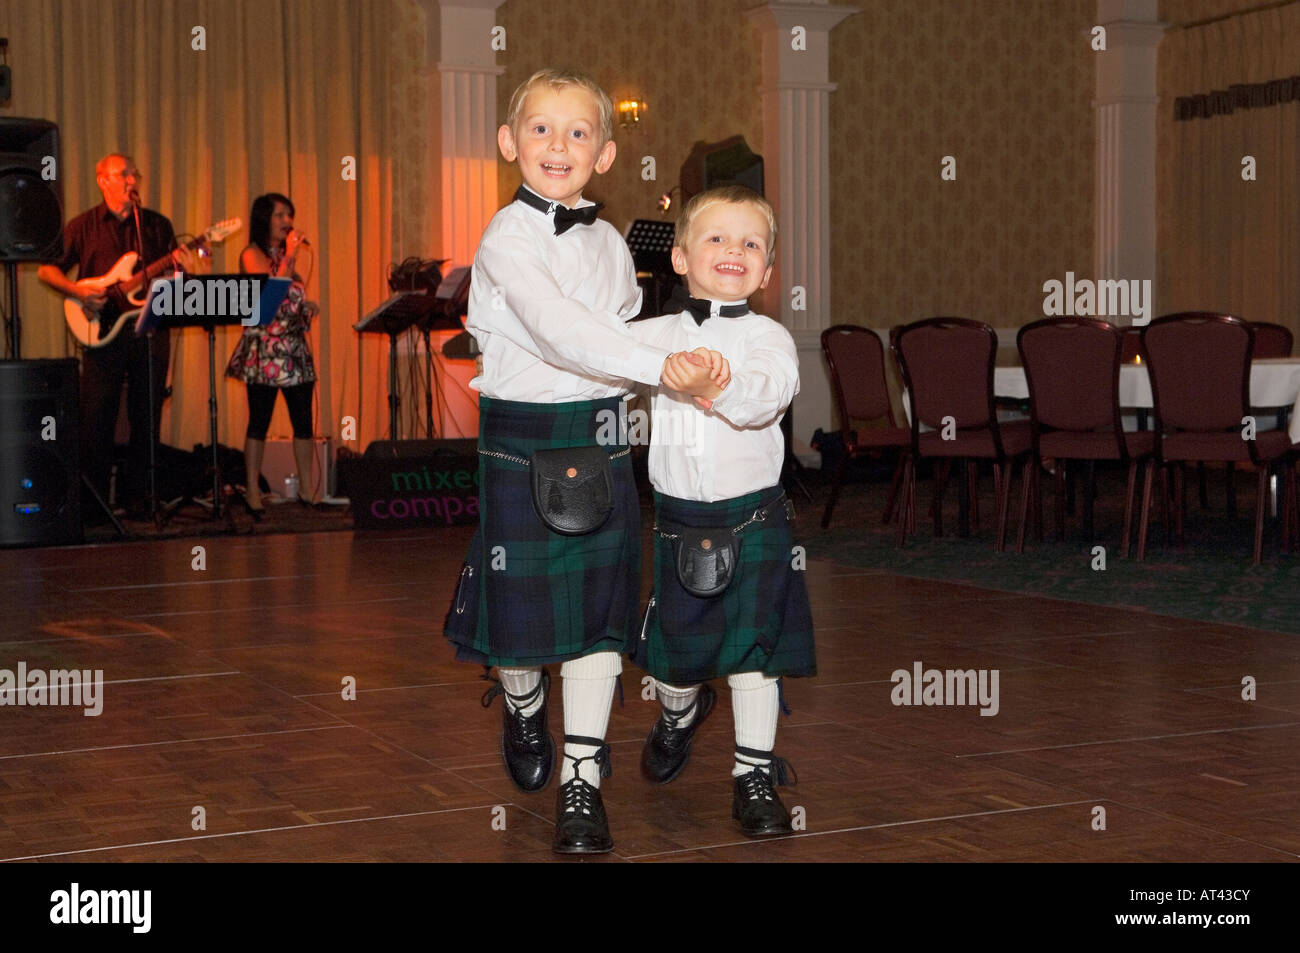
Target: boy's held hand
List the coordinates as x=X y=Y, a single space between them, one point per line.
x=689 y=373
x=719 y=367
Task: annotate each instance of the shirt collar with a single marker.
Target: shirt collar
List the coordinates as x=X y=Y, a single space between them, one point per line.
x=106 y=213
x=582 y=203
x=714 y=306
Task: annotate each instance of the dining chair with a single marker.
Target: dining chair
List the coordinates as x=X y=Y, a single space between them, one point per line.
x=1271 y=340
x=1200 y=381
x=1072 y=368
x=947 y=366
x=856 y=359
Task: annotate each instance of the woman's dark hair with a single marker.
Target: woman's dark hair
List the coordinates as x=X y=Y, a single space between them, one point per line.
x=259 y=219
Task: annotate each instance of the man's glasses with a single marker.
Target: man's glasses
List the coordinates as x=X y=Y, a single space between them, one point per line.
x=133 y=173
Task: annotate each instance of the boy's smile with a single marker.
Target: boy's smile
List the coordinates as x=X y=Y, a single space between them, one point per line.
x=727 y=257
x=557 y=144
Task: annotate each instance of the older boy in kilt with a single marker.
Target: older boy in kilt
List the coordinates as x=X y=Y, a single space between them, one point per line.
x=728 y=600
x=553 y=574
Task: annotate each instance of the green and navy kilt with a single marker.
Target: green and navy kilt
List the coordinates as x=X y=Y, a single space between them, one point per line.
x=762 y=622
x=528 y=595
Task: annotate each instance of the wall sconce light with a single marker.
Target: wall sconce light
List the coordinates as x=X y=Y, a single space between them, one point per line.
x=630 y=112
x=666 y=200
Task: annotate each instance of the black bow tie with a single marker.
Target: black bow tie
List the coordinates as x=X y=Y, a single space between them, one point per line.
x=565 y=217
x=701 y=309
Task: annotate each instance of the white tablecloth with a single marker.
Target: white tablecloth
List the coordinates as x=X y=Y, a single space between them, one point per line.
x=1273 y=383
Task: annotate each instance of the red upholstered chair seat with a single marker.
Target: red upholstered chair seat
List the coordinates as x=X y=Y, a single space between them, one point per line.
x=1016 y=439
x=1094 y=446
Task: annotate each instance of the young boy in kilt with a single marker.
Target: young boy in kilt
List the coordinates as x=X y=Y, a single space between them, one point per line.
x=721 y=514
x=552 y=286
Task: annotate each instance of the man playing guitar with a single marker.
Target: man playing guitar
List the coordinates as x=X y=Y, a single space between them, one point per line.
x=94 y=241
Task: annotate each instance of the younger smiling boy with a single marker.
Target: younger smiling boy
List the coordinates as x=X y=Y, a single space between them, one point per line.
x=716 y=470
x=552 y=286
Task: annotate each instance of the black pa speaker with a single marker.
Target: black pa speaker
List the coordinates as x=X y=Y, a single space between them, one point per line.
x=31 y=191
x=40 y=487
x=727 y=162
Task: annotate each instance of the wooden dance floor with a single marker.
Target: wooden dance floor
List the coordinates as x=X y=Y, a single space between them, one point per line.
x=223 y=691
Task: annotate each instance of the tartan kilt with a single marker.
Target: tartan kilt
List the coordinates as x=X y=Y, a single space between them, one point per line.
x=762 y=622
x=528 y=595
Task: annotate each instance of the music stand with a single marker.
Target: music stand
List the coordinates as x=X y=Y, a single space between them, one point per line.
x=451 y=300
x=651 y=244
x=206 y=301
x=394 y=316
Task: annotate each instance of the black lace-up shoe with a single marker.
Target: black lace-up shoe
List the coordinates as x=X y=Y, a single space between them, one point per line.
x=668 y=747
x=755 y=803
x=526 y=744
x=757 y=806
x=581 y=826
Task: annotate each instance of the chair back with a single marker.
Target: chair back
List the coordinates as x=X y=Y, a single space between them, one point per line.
x=1072 y=367
x=947 y=368
x=1271 y=340
x=1199 y=363
x=856 y=359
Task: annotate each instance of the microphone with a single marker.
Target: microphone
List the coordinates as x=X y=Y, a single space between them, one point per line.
x=303 y=241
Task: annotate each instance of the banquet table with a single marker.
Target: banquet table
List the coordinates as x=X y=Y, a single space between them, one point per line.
x=1274 y=382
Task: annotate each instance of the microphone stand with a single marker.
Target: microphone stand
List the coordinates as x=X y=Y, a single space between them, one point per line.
x=153 y=436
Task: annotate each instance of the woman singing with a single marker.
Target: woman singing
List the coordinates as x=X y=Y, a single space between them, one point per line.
x=276 y=358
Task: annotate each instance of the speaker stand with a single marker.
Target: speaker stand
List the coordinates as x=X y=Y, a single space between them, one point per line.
x=108 y=510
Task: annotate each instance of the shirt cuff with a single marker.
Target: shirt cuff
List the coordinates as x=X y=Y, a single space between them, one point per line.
x=647 y=364
x=728 y=399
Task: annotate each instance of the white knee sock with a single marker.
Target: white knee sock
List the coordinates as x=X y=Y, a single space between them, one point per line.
x=755 y=705
x=676 y=699
x=588 y=694
x=520 y=682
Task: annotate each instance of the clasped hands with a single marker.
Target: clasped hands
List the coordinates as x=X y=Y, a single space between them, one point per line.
x=701 y=373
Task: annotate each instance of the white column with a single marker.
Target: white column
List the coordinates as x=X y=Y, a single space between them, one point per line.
x=1124 y=244
x=469 y=121
x=462 y=75
x=796 y=94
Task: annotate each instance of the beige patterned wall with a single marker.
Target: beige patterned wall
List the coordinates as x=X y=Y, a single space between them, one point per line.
x=1176 y=12
x=1005 y=87
x=695 y=62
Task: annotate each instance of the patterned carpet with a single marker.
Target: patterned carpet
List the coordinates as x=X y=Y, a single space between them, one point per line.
x=1209 y=579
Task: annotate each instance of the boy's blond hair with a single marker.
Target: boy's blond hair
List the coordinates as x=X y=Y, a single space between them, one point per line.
x=736 y=194
x=557 y=79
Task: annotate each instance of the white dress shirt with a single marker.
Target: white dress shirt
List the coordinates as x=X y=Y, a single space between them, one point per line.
x=548 y=310
x=736 y=447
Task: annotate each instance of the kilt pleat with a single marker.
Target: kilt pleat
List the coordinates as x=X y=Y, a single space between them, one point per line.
x=761 y=623
x=527 y=595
